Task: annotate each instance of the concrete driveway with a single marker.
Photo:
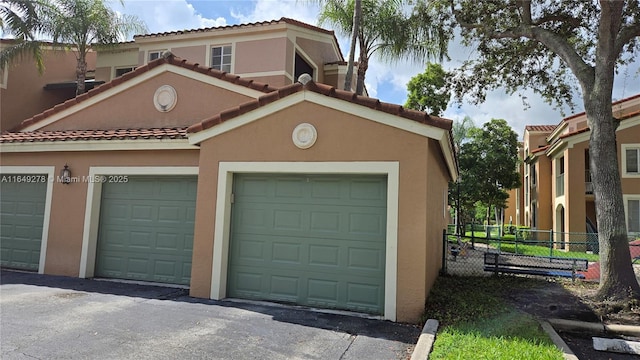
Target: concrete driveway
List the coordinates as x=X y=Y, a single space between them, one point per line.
x=52 y=317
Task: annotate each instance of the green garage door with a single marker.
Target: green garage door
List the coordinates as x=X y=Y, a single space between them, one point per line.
x=146 y=229
x=315 y=240
x=21 y=219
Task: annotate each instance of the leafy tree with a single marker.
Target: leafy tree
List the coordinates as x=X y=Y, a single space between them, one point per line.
x=428 y=91
x=83 y=25
x=381 y=32
x=463 y=204
x=20 y=19
x=461 y=131
x=488 y=164
x=548 y=47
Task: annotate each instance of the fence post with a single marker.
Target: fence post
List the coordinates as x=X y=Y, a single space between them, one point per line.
x=445 y=248
x=551 y=243
x=473 y=235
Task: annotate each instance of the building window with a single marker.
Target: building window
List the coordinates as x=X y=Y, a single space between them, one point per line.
x=124 y=70
x=533 y=175
x=221 y=58
x=156 y=54
x=560 y=176
x=631 y=159
x=526 y=190
x=301 y=66
x=633 y=214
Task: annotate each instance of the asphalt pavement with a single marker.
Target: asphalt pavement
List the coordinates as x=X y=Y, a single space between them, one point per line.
x=54 y=317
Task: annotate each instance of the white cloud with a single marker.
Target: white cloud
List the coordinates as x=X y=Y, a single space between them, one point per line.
x=167 y=15
x=264 y=10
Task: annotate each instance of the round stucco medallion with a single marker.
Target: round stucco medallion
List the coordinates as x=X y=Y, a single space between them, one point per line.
x=165 y=98
x=304 y=136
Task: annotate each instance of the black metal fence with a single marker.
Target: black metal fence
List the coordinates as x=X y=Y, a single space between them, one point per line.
x=464 y=254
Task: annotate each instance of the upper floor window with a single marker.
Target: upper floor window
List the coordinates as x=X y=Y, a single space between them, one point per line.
x=560 y=176
x=221 y=58
x=633 y=213
x=156 y=54
x=533 y=175
x=301 y=66
x=123 y=70
x=631 y=159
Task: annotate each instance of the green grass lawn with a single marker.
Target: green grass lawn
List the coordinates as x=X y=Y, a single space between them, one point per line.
x=507 y=244
x=543 y=251
x=477 y=323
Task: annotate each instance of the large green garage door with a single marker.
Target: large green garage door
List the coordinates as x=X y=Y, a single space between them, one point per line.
x=146 y=229
x=315 y=240
x=21 y=219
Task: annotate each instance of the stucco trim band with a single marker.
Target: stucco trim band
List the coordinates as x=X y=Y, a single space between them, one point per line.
x=50 y=171
x=97 y=145
x=92 y=207
x=223 y=214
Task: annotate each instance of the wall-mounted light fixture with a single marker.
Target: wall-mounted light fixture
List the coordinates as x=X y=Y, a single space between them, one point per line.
x=65 y=175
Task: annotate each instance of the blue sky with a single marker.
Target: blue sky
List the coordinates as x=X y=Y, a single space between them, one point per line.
x=384 y=80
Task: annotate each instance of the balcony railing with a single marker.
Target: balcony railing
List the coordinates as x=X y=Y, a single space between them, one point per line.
x=560 y=185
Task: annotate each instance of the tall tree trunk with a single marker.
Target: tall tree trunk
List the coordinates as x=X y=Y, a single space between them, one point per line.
x=81 y=75
x=357 y=14
x=617 y=279
x=363 y=66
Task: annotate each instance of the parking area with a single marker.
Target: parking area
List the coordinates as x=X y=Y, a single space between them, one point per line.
x=52 y=317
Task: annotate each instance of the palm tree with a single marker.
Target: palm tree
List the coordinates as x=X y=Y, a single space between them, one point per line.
x=83 y=25
x=355 y=30
x=20 y=19
x=77 y=25
x=384 y=30
x=88 y=24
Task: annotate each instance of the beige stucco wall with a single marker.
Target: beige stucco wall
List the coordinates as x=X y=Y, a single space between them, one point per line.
x=107 y=61
x=437 y=189
x=574 y=189
x=134 y=107
x=543 y=193
x=68 y=201
x=24 y=95
x=341 y=137
x=260 y=55
x=194 y=54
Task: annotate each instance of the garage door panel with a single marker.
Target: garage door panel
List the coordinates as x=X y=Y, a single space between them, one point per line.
x=146 y=229
x=286 y=253
x=364 y=259
x=285 y=288
x=364 y=296
x=323 y=292
x=22 y=207
x=317 y=240
x=324 y=221
x=324 y=255
x=289 y=220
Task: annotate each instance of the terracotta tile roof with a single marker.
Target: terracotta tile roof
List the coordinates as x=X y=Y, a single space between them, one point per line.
x=540 y=128
x=583 y=130
x=540 y=149
x=612 y=104
x=75 y=135
x=237 y=26
x=167 y=58
x=329 y=91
